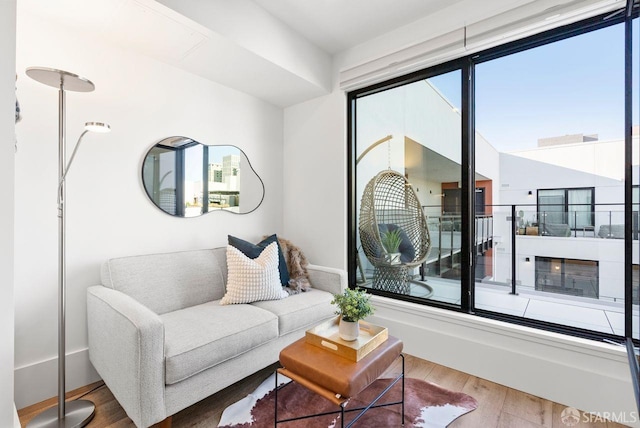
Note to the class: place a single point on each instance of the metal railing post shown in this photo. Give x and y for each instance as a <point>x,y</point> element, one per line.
<point>453,226</point>
<point>440,245</point>
<point>514,224</point>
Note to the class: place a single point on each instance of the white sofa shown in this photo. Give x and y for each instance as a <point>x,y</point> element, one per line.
<point>161,341</point>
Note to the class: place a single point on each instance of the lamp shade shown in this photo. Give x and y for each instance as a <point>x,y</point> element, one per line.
<point>97,127</point>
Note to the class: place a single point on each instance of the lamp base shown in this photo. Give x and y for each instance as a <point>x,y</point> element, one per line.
<point>78,413</point>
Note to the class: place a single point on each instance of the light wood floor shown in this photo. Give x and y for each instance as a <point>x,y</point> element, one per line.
<point>498,407</point>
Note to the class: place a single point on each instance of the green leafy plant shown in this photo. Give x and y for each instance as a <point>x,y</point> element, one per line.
<point>353,305</point>
<point>391,240</point>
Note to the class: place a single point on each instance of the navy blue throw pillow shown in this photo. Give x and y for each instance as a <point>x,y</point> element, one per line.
<point>254,250</point>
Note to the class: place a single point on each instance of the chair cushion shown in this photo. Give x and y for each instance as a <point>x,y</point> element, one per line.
<point>615,231</point>
<point>406,250</point>
<point>300,311</point>
<point>203,336</point>
<point>559,229</point>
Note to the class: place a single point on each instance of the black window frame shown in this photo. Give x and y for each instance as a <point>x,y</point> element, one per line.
<point>467,64</point>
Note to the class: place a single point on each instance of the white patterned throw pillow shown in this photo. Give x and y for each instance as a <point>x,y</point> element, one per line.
<point>250,280</point>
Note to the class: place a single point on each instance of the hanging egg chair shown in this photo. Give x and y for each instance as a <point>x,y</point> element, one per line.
<point>393,230</point>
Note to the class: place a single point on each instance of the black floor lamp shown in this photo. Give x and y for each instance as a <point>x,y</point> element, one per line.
<point>75,413</point>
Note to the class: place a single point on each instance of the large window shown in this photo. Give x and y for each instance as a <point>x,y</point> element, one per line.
<point>558,127</point>
<point>567,276</point>
<point>573,207</point>
<point>519,157</point>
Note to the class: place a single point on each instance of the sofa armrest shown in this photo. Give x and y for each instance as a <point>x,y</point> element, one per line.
<point>126,346</point>
<point>328,279</point>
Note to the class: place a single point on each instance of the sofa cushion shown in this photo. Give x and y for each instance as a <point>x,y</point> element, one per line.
<point>254,250</point>
<point>203,336</point>
<point>167,282</point>
<point>251,280</point>
<point>300,311</point>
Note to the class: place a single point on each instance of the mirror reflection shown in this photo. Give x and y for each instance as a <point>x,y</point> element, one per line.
<point>185,178</point>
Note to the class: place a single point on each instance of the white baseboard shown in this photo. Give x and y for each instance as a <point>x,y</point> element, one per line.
<point>37,382</point>
<point>588,375</point>
<point>16,420</point>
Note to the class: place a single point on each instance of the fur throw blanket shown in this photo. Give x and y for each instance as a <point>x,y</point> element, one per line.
<point>296,265</point>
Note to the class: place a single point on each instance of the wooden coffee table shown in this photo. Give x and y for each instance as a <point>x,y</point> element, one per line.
<point>337,378</point>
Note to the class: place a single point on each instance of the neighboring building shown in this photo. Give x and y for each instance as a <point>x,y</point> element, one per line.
<point>231,173</point>
<point>566,139</point>
<point>215,173</point>
<point>572,189</point>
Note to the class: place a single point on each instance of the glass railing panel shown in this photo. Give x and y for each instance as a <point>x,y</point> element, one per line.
<point>563,275</point>
<point>492,249</point>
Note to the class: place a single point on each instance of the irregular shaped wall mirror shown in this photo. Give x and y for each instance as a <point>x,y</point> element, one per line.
<point>178,171</point>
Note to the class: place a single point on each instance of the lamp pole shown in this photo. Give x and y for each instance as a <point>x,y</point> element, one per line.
<point>76,413</point>
<point>62,247</point>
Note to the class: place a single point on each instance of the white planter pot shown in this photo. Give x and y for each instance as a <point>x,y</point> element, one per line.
<point>348,330</point>
<point>393,258</point>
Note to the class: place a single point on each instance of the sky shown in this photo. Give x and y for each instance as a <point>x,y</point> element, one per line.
<point>193,159</point>
<point>575,86</point>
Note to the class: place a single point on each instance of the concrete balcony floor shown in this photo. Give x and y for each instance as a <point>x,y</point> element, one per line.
<point>592,314</point>
<point>597,315</point>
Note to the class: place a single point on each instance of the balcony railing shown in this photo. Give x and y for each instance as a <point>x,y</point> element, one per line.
<point>445,230</point>
<point>581,220</point>
<point>535,248</point>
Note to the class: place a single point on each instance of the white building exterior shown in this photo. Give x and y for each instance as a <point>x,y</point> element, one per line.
<point>591,164</point>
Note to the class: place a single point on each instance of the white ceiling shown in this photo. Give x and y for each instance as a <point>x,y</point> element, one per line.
<point>337,25</point>
<point>280,51</point>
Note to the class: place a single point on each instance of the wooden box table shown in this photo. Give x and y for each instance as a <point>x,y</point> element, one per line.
<point>337,378</point>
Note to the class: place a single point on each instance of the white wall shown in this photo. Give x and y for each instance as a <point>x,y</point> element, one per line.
<point>429,194</point>
<point>315,179</point>
<point>603,159</point>
<point>608,252</point>
<point>488,164</point>
<point>108,213</point>
<point>7,137</point>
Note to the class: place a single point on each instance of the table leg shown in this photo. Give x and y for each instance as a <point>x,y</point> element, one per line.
<point>342,410</point>
<point>402,355</point>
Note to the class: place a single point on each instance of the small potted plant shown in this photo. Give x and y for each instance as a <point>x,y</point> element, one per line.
<point>353,305</point>
<point>391,240</point>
